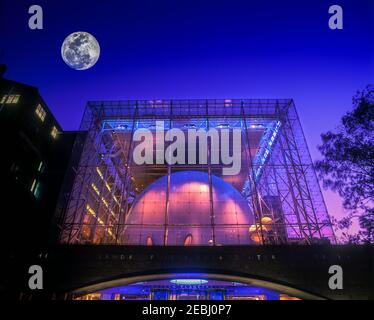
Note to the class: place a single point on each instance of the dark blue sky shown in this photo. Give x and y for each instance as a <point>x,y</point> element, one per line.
<point>197,49</point>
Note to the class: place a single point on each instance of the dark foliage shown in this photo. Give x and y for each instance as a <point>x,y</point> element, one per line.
<point>348,164</point>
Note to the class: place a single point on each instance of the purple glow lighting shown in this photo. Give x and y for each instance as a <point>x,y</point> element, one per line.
<point>189,212</point>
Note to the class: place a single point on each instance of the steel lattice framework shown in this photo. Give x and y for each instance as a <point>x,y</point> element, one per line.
<point>278,181</point>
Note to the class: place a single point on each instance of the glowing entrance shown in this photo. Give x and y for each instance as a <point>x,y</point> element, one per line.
<point>191,286</point>
<point>187,289</point>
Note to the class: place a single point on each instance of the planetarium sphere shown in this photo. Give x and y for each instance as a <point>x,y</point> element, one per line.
<point>188,219</point>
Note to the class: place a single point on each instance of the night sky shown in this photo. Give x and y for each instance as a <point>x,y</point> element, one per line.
<point>197,49</point>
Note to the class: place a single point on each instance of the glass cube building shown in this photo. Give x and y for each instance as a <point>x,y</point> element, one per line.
<point>274,198</point>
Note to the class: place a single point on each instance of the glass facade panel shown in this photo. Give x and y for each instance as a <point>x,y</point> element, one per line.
<point>273,197</point>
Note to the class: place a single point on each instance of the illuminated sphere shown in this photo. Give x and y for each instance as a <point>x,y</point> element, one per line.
<point>80,50</point>
<point>257,227</point>
<point>266,220</point>
<point>256,237</point>
<point>189,219</point>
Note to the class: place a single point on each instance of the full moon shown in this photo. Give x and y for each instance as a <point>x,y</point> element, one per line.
<point>80,50</point>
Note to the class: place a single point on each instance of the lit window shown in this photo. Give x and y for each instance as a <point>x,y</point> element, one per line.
<point>188,240</point>
<point>15,98</point>
<point>40,168</point>
<point>108,186</point>
<point>99,173</point>
<point>149,241</point>
<point>40,112</point>
<point>95,188</point>
<point>54,132</point>
<point>33,186</point>
<point>90,210</point>
<point>110,233</point>
<point>37,190</point>
<point>10,99</point>
<point>104,201</point>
